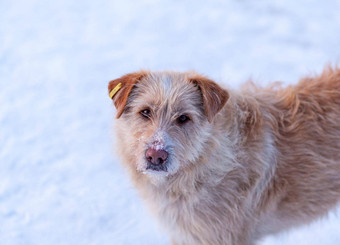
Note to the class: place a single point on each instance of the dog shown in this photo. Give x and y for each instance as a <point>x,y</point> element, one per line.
<point>222,166</point>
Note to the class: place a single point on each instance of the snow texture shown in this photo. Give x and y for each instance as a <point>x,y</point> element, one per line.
<point>60,181</point>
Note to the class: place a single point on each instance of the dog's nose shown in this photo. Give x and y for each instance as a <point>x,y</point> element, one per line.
<point>156,157</point>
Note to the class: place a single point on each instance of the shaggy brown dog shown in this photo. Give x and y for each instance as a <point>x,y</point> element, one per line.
<point>219,166</point>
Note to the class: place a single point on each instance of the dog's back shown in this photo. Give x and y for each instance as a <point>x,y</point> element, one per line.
<point>306,129</point>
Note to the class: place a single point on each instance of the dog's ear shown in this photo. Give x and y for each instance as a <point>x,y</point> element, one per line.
<point>214,97</point>
<point>119,89</point>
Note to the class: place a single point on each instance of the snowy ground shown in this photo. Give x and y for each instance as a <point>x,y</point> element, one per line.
<point>60,182</point>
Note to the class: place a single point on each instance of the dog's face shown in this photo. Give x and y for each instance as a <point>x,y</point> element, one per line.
<point>164,119</point>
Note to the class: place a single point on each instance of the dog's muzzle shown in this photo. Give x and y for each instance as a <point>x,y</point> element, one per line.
<point>156,159</point>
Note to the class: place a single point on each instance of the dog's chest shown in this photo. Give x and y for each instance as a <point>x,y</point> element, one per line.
<point>178,218</point>
<point>182,217</point>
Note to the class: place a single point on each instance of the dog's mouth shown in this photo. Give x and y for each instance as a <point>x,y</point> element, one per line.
<point>157,167</point>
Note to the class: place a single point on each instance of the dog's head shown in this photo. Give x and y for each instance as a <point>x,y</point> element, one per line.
<point>164,118</point>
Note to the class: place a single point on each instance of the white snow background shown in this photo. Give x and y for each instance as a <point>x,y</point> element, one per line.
<point>60,181</point>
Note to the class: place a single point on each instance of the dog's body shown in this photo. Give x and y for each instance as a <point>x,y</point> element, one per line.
<point>230,166</point>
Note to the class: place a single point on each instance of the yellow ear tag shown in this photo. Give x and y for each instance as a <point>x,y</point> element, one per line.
<point>115,90</point>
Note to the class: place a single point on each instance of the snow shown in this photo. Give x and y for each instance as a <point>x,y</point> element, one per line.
<point>60,181</point>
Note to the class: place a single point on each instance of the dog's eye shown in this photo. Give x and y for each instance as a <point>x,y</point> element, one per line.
<point>146,113</point>
<point>183,119</point>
